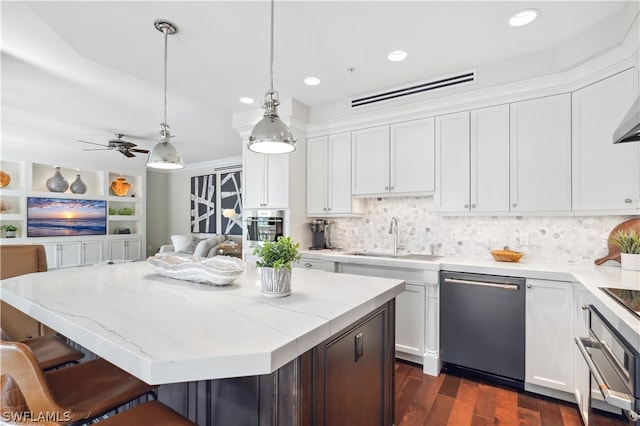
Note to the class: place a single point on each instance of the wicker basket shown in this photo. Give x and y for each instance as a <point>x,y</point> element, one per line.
<point>506,255</point>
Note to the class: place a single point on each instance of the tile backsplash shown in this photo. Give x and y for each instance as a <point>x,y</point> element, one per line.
<point>565,239</point>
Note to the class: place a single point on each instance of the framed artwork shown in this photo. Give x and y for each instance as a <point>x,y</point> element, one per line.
<point>61,217</point>
<point>231,203</point>
<point>203,204</point>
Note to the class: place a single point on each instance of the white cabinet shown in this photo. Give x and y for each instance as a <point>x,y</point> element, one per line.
<point>91,252</point>
<point>472,166</point>
<point>394,160</point>
<point>550,316</point>
<point>128,249</point>
<point>63,255</point>
<point>582,374</point>
<point>266,180</point>
<point>410,320</point>
<point>329,176</point>
<point>606,177</point>
<point>540,151</point>
<point>310,263</point>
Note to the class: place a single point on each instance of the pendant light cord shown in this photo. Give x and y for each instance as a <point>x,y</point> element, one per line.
<point>165,31</point>
<point>272,7</point>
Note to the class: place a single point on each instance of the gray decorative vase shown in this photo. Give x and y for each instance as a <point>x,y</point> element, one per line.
<point>57,182</point>
<point>78,186</point>
<point>275,282</point>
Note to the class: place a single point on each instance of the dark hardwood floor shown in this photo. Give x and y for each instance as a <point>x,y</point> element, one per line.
<point>453,401</point>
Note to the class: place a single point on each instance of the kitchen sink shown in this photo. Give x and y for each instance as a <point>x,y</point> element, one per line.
<point>405,256</point>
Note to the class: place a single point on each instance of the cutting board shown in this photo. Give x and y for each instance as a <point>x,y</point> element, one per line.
<point>614,252</point>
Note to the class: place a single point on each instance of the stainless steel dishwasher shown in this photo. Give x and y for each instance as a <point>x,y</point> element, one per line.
<point>482,326</point>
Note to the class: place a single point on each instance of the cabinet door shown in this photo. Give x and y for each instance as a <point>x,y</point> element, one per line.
<point>410,320</point>
<point>490,159</point>
<point>91,252</point>
<point>606,177</point>
<point>412,157</point>
<point>117,250</point>
<point>133,249</point>
<point>340,200</point>
<point>582,374</point>
<point>317,175</point>
<point>51,251</point>
<point>255,167</point>
<point>370,150</point>
<point>63,255</point>
<point>541,154</point>
<point>452,163</point>
<point>549,360</point>
<point>277,185</point>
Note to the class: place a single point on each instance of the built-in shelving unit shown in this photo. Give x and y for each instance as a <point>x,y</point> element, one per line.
<point>125,215</point>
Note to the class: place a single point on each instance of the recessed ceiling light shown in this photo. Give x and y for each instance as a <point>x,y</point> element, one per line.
<point>397,56</point>
<point>524,17</point>
<point>311,81</point>
<point>246,100</point>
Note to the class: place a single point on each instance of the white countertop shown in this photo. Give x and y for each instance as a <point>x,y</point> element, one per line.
<point>592,277</point>
<point>165,331</point>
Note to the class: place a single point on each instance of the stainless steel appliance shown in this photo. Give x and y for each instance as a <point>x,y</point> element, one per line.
<point>630,299</point>
<point>482,326</point>
<point>629,128</point>
<point>264,225</point>
<point>615,368</point>
<point>320,234</point>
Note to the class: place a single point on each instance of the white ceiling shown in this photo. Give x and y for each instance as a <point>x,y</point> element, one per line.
<point>85,70</point>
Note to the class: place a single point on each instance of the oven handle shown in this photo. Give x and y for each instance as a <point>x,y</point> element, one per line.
<point>614,398</point>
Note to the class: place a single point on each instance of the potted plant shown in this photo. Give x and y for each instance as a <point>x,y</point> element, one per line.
<point>9,230</point>
<point>629,244</point>
<point>275,263</point>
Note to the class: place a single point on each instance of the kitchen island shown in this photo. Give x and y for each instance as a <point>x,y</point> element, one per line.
<point>262,360</point>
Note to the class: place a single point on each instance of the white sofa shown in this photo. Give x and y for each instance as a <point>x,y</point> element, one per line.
<point>196,244</point>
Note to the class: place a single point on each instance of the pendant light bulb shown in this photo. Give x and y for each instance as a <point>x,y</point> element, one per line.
<point>271,135</point>
<point>165,155</point>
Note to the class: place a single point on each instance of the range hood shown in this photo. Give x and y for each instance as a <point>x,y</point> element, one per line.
<point>629,128</point>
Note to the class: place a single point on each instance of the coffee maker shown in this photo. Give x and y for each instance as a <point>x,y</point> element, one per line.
<point>320,236</point>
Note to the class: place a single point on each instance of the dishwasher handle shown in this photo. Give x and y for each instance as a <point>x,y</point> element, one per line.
<point>611,397</point>
<point>482,284</point>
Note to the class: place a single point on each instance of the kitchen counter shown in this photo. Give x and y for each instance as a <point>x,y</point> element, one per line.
<point>164,331</point>
<point>590,276</point>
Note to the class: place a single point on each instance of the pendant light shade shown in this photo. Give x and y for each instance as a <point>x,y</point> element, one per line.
<point>271,135</point>
<point>165,155</point>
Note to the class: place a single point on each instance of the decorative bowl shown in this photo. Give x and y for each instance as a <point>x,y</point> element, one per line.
<point>506,255</point>
<point>5,178</point>
<point>218,270</point>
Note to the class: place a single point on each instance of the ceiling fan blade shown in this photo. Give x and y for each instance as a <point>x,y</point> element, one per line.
<point>143,151</point>
<point>93,143</point>
<point>128,154</point>
<point>128,145</point>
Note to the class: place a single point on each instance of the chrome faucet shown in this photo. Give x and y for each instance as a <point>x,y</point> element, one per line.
<point>393,230</point>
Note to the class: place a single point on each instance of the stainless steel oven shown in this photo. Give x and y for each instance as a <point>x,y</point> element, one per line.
<point>264,225</point>
<point>614,366</point>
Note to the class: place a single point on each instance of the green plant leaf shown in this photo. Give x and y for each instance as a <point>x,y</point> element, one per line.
<point>278,254</point>
<point>626,241</point>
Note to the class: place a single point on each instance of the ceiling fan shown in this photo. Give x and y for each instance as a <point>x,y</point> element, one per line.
<point>124,147</point>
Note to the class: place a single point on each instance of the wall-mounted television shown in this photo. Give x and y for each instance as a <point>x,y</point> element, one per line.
<point>61,217</point>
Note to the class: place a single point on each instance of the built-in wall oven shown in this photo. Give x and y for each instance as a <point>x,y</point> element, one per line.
<point>264,225</point>
<point>614,365</point>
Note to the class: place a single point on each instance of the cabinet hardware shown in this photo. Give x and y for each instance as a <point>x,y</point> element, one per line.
<point>529,286</point>
<point>308,265</point>
<point>391,188</point>
<point>359,349</point>
<point>473,206</point>
<point>584,307</point>
<point>386,188</point>
<point>514,205</point>
<point>466,206</point>
<point>627,200</point>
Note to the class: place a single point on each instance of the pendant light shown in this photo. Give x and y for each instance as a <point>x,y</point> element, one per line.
<point>271,135</point>
<point>165,155</point>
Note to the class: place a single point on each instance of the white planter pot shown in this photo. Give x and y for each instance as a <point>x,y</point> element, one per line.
<point>630,262</point>
<point>275,282</point>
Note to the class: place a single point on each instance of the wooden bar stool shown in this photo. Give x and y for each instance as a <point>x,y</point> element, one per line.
<point>73,394</point>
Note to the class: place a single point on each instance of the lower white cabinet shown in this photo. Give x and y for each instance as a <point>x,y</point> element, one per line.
<point>72,254</point>
<point>582,374</point>
<point>130,249</point>
<point>410,320</point>
<point>550,331</point>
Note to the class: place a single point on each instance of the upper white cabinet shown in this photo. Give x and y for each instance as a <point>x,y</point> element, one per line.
<point>540,151</point>
<point>606,177</point>
<point>472,166</point>
<point>452,163</point>
<point>549,329</point>
<point>266,180</point>
<point>329,176</point>
<point>394,160</point>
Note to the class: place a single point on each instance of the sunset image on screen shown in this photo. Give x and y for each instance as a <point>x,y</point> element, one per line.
<point>47,217</point>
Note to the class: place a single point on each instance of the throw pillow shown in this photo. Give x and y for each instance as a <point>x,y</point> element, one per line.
<point>180,241</point>
<point>202,250</point>
<point>191,246</point>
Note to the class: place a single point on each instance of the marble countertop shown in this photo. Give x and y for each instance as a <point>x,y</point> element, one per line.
<point>591,277</point>
<point>165,331</point>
